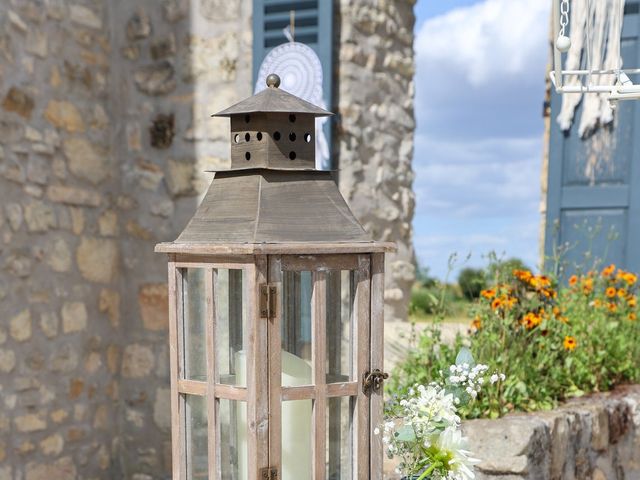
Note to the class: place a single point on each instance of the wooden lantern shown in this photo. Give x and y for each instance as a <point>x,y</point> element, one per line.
<point>276,314</point>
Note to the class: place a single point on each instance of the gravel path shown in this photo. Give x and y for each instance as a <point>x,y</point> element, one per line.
<point>398,334</point>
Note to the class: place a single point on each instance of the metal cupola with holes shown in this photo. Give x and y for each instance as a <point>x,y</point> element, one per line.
<point>276,298</point>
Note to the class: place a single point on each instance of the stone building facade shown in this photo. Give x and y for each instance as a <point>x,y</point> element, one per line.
<point>104,137</point>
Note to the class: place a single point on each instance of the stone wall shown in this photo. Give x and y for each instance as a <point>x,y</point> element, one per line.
<point>59,260</point>
<point>594,438</point>
<point>104,136</point>
<point>374,136</point>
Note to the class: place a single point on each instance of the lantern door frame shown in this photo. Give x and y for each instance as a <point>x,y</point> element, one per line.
<point>263,392</point>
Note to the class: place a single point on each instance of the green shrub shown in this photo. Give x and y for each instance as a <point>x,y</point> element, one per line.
<point>552,343</point>
<point>471,281</point>
<point>423,301</point>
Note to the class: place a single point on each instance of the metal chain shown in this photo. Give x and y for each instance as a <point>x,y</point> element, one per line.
<point>564,17</point>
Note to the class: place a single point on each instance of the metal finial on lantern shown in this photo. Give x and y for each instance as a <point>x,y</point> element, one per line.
<point>273,81</point>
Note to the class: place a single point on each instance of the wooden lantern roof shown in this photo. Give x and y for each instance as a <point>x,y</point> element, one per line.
<point>268,205</point>
<point>273,100</point>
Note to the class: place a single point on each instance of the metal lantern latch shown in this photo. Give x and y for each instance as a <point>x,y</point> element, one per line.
<point>374,380</point>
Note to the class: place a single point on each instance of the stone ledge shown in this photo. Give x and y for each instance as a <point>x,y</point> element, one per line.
<point>595,437</point>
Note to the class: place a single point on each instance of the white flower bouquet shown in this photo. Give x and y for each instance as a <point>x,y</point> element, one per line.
<point>423,429</point>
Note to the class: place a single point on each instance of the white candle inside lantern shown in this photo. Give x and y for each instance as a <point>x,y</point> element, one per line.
<point>296,420</point>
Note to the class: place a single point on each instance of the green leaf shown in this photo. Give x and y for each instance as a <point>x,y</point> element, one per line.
<point>406,434</point>
<point>465,356</point>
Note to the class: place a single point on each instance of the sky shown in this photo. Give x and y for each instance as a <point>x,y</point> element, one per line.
<point>479,93</point>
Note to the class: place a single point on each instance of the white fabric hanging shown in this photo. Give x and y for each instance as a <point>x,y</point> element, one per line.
<point>605,32</point>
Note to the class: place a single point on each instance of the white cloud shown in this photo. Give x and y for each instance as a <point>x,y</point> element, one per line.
<point>480,87</point>
<point>486,41</point>
<point>487,178</point>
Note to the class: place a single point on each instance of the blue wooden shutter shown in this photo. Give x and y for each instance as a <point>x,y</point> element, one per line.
<point>610,197</point>
<point>313,27</point>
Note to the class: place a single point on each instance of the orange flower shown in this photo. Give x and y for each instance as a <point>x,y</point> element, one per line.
<point>622,293</point>
<point>573,280</point>
<point>633,316</point>
<point>564,319</point>
<point>488,294</point>
<point>587,286</point>
<point>477,323</point>
<point>569,343</point>
<point>630,278</point>
<point>597,303</point>
<point>523,275</point>
<point>556,311</point>
<point>632,301</point>
<point>531,320</point>
<point>610,292</point>
<point>608,271</point>
<point>497,303</point>
<point>612,307</point>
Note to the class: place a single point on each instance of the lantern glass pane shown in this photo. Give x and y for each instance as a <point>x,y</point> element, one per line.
<point>232,445</point>
<point>297,440</point>
<point>339,325</point>
<point>231,327</point>
<point>196,437</point>
<point>340,438</point>
<point>296,328</point>
<point>194,324</point>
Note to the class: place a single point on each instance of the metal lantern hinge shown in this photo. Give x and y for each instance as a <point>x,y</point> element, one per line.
<point>269,473</point>
<point>268,300</point>
<point>373,380</point>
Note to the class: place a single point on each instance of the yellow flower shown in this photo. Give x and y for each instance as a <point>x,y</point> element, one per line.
<point>497,303</point>
<point>608,271</point>
<point>612,307</point>
<point>622,293</point>
<point>540,281</point>
<point>597,303</point>
<point>510,302</point>
<point>630,278</point>
<point>573,280</point>
<point>587,286</point>
<point>477,323</point>
<point>569,343</point>
<point>564,319</point>
<point>488,294</point>
<point>610,292</point>
<point>633,316</point>
<point>632,301</point>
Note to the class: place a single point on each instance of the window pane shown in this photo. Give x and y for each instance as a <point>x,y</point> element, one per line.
<point>340,308</point>
<point>231,327</point>
<point>340,438</point>
<point>296,440</point>
<point>194,325</point>
<point>233,439</point>
<point>296,328</point>
<point>196,437</point>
